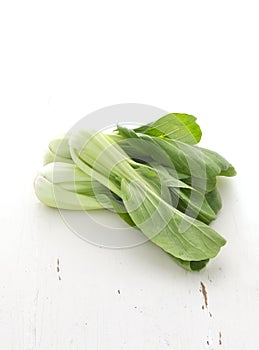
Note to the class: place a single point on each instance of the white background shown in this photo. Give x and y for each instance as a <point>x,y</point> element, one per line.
<point>61,60</point>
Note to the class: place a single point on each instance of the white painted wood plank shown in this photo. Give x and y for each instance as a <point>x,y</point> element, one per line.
<point>60,61</point>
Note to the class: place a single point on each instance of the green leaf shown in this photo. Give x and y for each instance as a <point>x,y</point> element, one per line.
<point>226,169</point>
<point>202,184</point>
<point>120,209</point>
<point>176,233</point>
<point>214,200</point>
<point>183,197</point>
<point>186,160</point>
<point>126,132</point>
<point>191,265</point>
<point>176,126</point>
<point>198,165</point>
<point>143,128</point>
<point>193,203</point>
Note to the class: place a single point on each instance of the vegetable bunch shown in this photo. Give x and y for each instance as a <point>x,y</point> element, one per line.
<point>154,176</point>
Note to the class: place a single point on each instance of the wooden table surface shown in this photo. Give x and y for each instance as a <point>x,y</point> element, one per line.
<point>61,61</point>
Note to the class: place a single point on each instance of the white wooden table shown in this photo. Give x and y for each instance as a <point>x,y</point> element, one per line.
<point>59,292</point>
<point>61,61</point>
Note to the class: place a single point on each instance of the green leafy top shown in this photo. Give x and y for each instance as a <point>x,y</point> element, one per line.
<point>175,126</point>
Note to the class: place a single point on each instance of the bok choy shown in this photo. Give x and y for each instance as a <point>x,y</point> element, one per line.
<point>154,177</point>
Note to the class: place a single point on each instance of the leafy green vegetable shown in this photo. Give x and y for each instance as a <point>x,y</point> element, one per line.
<point>154,177</point>
<point>181,236</point>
